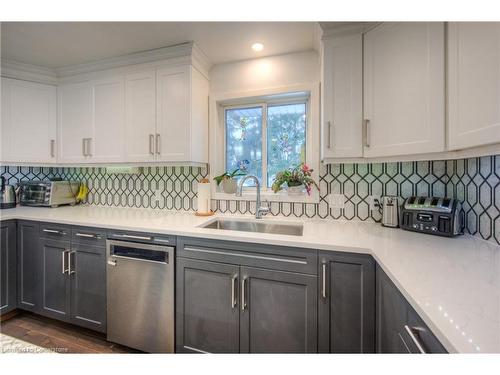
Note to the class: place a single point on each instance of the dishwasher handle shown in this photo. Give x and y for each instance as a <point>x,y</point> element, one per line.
<point>139,252</point>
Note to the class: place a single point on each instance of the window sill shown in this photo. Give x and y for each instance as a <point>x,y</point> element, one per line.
<point>281,196</point>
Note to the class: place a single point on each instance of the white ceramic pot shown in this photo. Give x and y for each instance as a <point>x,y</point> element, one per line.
<point>296,190</point>
<point>229,186</point>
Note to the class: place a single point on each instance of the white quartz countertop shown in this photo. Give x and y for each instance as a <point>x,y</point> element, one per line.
<point>452,283</point>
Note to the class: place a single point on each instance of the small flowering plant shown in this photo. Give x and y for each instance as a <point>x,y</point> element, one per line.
<point>300,175</point>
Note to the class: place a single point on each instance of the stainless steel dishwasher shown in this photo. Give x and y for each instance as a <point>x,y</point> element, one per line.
<point>140,295</point>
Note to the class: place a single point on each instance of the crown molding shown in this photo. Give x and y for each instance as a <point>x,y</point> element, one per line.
<point>348,28</point>
<point>184,53</point>
<point>27,72</point>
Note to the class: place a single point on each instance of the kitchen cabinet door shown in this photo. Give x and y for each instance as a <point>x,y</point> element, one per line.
<point>278,312</point>
<point>207,307</point>
<point>473,84</point>
<point>346,303</point>
<point>29,264</point>
<point>404,89</point>
<point>55,283</point>
<point>107,142</point>
<point>76,122</point>
<point>140,118</point>
<point>342,98</point>
<point>87,274</point>
<point>8,266</point>
<point>173,138</point>
<point>399,328</point>
<point>29,128</point>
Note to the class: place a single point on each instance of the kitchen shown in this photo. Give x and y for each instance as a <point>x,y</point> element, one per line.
<point>310,187</point>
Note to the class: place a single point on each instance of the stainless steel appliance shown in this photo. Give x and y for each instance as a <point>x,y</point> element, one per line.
<point>48,193</point>
<point>140,295</point>
<point>390,211</point>
<point>7,195</point>
<point>440,216</point>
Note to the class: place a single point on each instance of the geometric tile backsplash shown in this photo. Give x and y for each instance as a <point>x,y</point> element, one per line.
<point>474,181</point>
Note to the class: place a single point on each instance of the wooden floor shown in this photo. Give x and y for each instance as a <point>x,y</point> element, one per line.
<point>61,337</point>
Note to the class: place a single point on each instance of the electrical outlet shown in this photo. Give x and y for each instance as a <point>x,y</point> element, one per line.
<point>336,200</point>
<point>374,201</point>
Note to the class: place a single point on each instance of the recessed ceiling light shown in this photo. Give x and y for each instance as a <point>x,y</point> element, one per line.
<point>257,47</point>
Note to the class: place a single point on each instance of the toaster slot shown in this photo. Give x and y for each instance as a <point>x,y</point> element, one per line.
<point>406,218</point>
<point>444,224</point>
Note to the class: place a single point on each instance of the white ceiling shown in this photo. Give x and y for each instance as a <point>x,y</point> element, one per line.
<point>59,44</point>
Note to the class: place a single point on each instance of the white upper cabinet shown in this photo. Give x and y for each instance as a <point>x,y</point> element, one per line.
<point>107,143</point>
<point>140,119</point>
<point>404,89</point>
<point>182,115</point>
<point>473,84</point>
<point>29,127</point>
<point>76,117</point>
<point>342,70</point>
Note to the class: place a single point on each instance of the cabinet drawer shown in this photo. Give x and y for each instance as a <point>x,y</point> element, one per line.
<point>160,239</point>
<point>90,236</point>
<point>249,254</point>
<point>55,231</point>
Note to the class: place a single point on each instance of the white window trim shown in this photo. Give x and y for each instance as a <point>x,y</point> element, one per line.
<point>220,101</point>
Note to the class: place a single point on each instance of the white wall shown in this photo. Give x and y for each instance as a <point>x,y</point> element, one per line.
<point>267,72</point>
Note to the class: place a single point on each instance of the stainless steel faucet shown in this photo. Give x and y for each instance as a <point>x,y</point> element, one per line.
<point>259,210</point>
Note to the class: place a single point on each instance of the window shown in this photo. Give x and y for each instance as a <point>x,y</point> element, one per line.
<point>266,138</point>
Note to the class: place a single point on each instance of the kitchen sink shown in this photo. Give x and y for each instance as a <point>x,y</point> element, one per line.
<point>256,226</point>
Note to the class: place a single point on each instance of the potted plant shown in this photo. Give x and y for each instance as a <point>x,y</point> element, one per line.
<point>297,180</point>
<point>228,181</point>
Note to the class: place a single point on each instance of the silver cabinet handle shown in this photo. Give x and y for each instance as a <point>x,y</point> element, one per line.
<point>158,144</point>
<point>70,271</point>
<point>329,134</point>
<point>134,237</point>
<point>53,231</point>
<point>366,124</point>
<point>243,302</point>
<point>417,343</point>
<point>96,236</point>
<point>89,146</point>
<point>84,148</point>
<point>323,286</point>
<point>233,291</point>
<point>63,254</point>
<point>52,148</point>
<point>151,144</point>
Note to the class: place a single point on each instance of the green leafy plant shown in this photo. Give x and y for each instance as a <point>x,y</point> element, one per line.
<point>299,175</point>
<point>228,175</point>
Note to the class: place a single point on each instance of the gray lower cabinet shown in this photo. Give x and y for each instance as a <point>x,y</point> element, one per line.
<point>278,312</point>
<point>87,281</point>
<point>29,261</point>
<point>346,312</point>
<point>245,298</point>
<point>399,328</point>
<point>207,313</point>
<point>8,266</point>
<point>55,285</point>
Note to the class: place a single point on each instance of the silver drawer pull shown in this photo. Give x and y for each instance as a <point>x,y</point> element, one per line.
<point>158,144</point>
<point>243,302</point>
<point>132,237</point>
<point>70,271</point>
<point>233,291</point>
<point>53,231</point>
<point>415,340</point>
<point>366,125</point>
<point>151,144</point>
<point>64,269</point>
<point>52,148</point>
<point>323,287</point>
<point>329,134</point>
<point>86,235</point>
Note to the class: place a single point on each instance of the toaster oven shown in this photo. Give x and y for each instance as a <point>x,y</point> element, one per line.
<point>48,193</point>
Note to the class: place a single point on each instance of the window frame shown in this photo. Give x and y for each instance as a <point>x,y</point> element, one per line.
<point>264,105</point>
<point>219,101</point>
